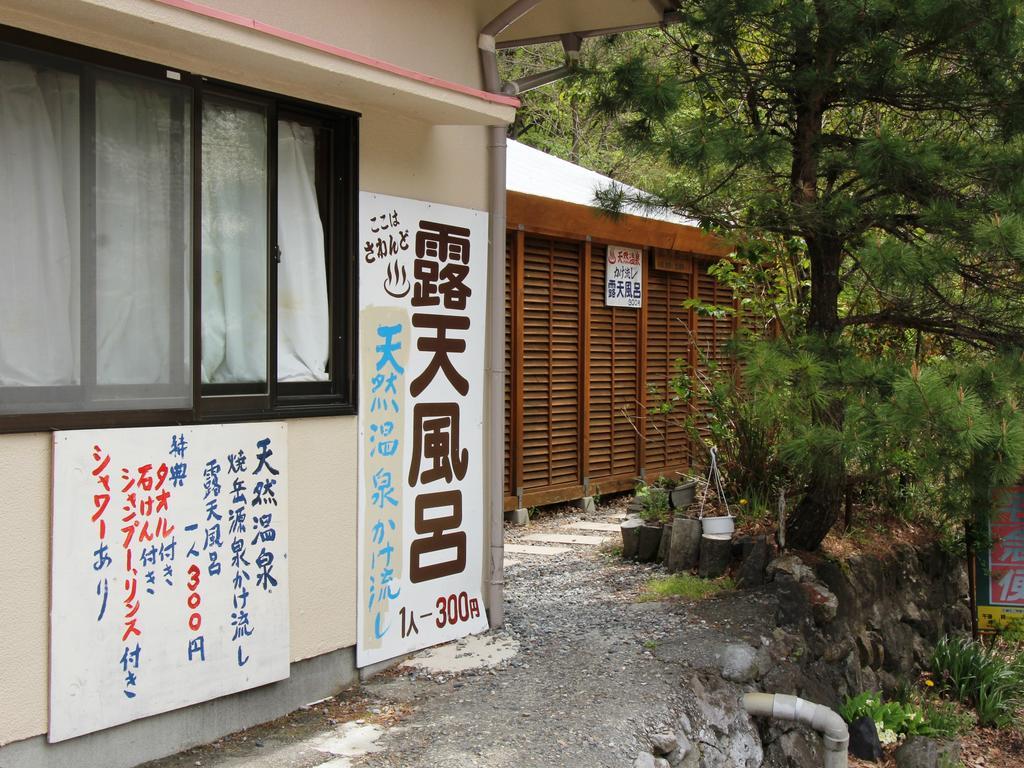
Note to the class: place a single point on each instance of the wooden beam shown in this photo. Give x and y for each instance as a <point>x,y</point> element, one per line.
<point>584,401</point>
<point>569,220</point>
<point>641,366</point>
<point>518,343</point>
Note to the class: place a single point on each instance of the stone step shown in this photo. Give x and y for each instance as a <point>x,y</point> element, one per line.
<point>603,527</point>
<point>560,538</point>
<point>527,549</point>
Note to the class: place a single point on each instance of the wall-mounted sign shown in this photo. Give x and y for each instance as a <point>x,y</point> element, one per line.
<point>1000,571</point>
<point>624,277</point>
<point>170,569</point>
<point>421,500</point>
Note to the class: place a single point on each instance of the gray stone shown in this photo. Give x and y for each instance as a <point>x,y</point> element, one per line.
<point>737,662</point>
<point>921,752</point>
<point>644,760</point>
<point>664,743</point>
<point>661,762</point>
<point>715,556</point>
<point>666,543</point>
<point>630,537</point>
<point>824,604</point>
<point>587,505</point>
<point>518,517</point>
<point>684,549</point>
<point>751,572</point>
<point>791,565</point>
<point>650,540</point>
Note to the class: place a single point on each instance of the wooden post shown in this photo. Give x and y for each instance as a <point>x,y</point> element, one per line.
<point>585,276</point>
<point>518,342</point>
<point>641,366</point>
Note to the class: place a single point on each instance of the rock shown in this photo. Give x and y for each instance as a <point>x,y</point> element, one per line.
<point>921,752</point>
<point>664,743</point>
<point>630,537</point>
<point>790,565</point>
<point>682,750</point>
<point>715,556</point>
<point>824,604</point>
<point>864,741</point>
<point>644,760</point>
<point>737,663</point>
<point>666,543</point>
<point>751,572</point>
<point>661,762</point>
<point>684,549</point>
<point>650,540</point>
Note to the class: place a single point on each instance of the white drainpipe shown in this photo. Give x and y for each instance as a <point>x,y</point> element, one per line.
<point>835,735</point>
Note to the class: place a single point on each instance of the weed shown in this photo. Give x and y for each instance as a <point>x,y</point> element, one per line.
<point>650,645</point>
<point>980,677</point>
<point>685,586</point>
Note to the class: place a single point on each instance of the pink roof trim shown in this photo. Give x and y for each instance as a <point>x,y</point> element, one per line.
<point>341,53</point>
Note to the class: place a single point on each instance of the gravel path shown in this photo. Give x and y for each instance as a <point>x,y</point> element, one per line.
<point>595,673</point>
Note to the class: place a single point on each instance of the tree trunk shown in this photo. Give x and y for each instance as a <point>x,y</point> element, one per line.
<point>822,501</point>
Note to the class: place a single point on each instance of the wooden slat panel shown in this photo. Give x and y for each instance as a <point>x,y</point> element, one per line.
<point>614,361</point>
<point>550,360</point>
<point>668,343</point>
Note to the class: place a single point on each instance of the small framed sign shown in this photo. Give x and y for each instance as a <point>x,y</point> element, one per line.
<point>624,277</point>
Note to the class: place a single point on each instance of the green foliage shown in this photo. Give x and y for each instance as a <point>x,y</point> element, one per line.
<point>982,677</point>
<point>866,161</point>
<point>684,586</point>
<point>896,719</point>
<point>654,502</point>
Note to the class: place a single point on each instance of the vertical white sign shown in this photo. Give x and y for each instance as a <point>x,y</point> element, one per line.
<point>624,277</point>
<point>422,315</point>
<point>170,569</point>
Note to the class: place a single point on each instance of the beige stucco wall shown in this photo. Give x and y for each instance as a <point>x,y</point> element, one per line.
<point>321,558</point>
<point>399,156</point>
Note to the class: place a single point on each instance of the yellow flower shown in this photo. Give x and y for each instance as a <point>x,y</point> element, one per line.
<point>743,502</point>
<point>929,683</point>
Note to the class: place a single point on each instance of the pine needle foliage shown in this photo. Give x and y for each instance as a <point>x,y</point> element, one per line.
<point>867,159</point>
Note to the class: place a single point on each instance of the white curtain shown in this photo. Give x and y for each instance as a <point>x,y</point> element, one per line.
<point>39,233</point>
<point>303,321</point>
<point>134,258</point>
<point>234,223</point>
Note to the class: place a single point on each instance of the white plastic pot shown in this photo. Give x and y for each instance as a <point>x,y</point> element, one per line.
<point>713,526</point>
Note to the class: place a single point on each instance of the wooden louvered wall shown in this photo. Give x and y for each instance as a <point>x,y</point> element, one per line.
<point>550,363</point>
<point>582,378</point>
<point>668,351</point>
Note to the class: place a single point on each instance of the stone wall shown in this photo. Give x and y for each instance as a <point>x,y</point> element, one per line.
<point>866,623</point>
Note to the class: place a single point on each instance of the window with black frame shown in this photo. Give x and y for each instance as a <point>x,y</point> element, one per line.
<point>162,238</point>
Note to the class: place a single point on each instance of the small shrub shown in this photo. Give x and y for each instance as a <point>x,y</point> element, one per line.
<point>684,586</point>
<point>980,677</point>
<point>892,719</point>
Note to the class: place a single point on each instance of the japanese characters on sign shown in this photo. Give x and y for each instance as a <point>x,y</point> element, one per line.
<point>421,501</point>
<point>1001,583</point>
<point>624,277</point>
<point>169,570</point>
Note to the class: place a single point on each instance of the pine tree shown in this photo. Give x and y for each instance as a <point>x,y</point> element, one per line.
<point>880,140</point>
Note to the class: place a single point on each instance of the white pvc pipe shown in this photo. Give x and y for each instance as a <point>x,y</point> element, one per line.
<point>835,734</point>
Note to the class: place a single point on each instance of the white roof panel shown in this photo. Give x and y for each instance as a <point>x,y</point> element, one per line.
<point>534,172</point>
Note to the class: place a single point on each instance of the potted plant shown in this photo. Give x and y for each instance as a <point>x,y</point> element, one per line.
<point>683,494</point>
<point>654,513</point>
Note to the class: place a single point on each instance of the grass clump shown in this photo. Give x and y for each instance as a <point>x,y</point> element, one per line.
<point>684,586</point>
<point>989,679</point>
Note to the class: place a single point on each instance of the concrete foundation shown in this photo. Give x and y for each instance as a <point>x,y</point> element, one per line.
<point>519,516</point>
<point>586,504</point>
<point>127,745</point>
